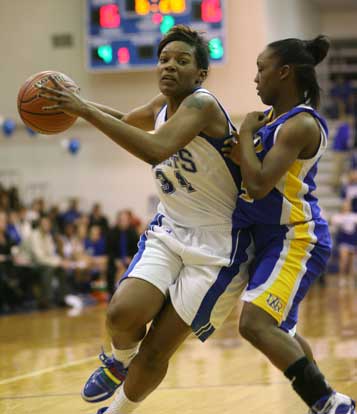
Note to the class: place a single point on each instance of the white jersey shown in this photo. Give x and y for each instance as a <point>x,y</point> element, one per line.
<point>198,186</point>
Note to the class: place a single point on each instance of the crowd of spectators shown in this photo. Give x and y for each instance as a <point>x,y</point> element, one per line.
<point>344,177</point>
<point>51,258</point>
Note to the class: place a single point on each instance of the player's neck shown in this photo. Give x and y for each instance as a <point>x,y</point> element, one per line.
<point>173,104</point>
<point>285,104</point>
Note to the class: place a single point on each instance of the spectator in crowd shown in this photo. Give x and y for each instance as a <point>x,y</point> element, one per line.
<point>344,225</point>
<point>97,218</point>
<point>342,96</point>
<point>13,229</point>
<point>10,293</point>
<point>14,198</point>
<point>95,248</point>
<point>4,200</point>
<point>122,246</point>
<point>55,218</point>
<point>341,146</point>
<point>349,191</point>
<point>35,211</point>
<point>24,226</point>
<point>70,248</point>
<point>41,260</point>
<point>48,265</point>
<point>72,214</point>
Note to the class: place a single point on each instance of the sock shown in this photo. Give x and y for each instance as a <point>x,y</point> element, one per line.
<point>125,356</point>
<point>121,404</point>
<point>308,381</point>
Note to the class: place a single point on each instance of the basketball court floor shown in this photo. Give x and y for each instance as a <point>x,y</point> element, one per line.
<point>45,358</point>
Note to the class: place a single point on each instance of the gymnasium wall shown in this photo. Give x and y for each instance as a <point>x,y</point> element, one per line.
<point>102,171</point>
<point>339,24</point>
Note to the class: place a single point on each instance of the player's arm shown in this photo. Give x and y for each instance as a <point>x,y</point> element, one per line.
<point>142,117</point>
<point>299,137</point>
<point>194,114</point>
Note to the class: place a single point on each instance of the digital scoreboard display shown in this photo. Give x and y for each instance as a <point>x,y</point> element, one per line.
<point>124,34</point>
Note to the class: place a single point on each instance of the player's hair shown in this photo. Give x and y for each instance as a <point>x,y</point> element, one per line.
<point>303,55</point>
<point>192,37</point>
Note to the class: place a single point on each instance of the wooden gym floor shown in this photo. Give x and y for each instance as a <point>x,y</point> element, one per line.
<point>46,357</point>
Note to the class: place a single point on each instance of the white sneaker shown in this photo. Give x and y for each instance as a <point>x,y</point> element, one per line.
<point>336,404</point>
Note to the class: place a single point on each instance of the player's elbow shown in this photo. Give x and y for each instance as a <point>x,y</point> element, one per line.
<point>152,156</point>
<point>155,159</point>
<point>257,190</point>
<point>158,155</point>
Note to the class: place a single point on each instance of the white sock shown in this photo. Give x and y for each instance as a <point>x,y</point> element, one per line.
<point>125,356</point>
<point>121,404</point>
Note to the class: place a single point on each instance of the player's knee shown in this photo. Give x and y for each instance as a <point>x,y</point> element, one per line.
<point>123,317</point>
<point>251,330</point>
<point>246,330</point>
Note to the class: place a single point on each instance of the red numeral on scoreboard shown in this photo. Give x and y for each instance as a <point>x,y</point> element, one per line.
<point>211,11</point>
<point>109,16</point>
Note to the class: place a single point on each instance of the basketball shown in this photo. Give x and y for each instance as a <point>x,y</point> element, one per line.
<point>30,104</point>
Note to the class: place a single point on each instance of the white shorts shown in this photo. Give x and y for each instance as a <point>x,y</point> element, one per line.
<point>204,270</point>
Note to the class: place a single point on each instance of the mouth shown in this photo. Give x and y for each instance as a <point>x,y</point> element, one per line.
<point>168,78</point>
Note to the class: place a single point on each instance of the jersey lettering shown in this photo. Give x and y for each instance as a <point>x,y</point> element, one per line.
<point>187,164</point>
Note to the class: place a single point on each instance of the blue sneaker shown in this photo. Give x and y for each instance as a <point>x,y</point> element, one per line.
<point>104,380</point>
<point>336,403</point>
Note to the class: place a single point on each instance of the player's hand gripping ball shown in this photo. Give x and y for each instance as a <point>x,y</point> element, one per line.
<point>30,103</point>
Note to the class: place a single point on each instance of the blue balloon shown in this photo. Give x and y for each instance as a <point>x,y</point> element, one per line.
<point>8,127</point>
<point>74,146</point>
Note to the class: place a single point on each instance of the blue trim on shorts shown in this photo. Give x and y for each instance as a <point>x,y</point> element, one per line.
<point>201,325</point>
<point>157,221</point>
<point>269,243</point>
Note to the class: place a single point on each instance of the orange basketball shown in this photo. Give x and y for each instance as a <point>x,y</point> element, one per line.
<point>29,104</point>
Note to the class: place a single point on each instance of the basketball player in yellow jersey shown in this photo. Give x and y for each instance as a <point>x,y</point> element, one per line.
<point>278,154</point>
<point>187,272</point>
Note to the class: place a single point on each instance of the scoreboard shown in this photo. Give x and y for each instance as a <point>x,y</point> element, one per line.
<point>123,35</point>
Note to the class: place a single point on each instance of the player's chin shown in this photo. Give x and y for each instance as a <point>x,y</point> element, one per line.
<point>168,90</point>
<point>265,99</point>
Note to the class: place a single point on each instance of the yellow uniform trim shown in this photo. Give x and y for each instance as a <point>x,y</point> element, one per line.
<point>111,376</point>
<point>277,296</point>
<point>292,188</point>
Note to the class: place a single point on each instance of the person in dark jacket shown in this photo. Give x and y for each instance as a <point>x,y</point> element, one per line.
<point>121,247</point>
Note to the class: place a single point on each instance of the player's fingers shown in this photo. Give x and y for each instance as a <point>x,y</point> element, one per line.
<point>55,81</point>
<point>50,108</point>
<point>49,90</point>
<point>226,154</point>
<point>50,97</point>
<point>228,141</point>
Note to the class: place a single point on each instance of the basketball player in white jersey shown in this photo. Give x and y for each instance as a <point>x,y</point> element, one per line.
<point>191,264</point>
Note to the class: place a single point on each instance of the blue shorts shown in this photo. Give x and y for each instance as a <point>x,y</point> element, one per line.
<point>288,260</point>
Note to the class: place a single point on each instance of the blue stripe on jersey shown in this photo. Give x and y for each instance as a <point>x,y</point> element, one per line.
<point>164,106</point>
<point>201,323</point>
<point>234,169</point>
